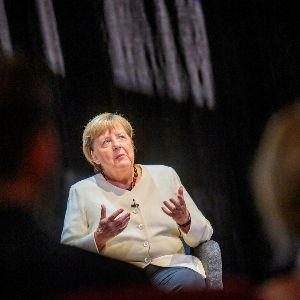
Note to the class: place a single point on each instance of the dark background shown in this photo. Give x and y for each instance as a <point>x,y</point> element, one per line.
<point>255,54</point>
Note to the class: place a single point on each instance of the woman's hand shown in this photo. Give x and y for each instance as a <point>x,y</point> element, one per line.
<point>110,226</point>
<point>176,209</point>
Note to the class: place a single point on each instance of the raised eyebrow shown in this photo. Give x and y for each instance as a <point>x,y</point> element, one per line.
<point>121,133</point>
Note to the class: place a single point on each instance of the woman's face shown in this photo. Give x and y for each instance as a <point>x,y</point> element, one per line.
<point>113,149</point>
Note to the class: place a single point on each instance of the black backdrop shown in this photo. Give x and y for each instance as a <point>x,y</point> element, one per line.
<point>254,49</point>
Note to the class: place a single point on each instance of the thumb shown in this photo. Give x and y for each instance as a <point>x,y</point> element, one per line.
<point>180,190</point>
<point>103,211</point>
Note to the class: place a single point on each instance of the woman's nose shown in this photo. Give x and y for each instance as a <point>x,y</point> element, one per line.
<point>116,144</point>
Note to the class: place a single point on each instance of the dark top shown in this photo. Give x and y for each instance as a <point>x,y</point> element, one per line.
<point>34,266</point>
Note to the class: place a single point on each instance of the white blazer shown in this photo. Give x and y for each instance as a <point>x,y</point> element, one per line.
<point>151,236</point>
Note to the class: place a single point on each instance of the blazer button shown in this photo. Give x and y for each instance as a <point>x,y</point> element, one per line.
<point>141,226</point>
<point>148,260</point>
<point>146,244</point>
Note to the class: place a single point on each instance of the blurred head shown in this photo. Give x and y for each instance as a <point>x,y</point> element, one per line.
<point>104,133</point>
<point>276,177</point>
<point>28,141</point>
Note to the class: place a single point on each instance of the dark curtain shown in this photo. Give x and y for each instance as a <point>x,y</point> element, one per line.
<point>255,54</point>
<point>254,49</point>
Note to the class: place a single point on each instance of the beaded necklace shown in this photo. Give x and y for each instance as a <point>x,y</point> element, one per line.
<point>132,184</point>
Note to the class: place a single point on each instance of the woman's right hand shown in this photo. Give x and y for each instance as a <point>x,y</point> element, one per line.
<point>110,226</point>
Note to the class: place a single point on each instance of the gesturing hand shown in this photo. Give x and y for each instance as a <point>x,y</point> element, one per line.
<point>176,208</point>
<point>110,226</point>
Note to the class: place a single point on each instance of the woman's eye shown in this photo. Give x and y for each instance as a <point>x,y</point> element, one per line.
<point>122,137</point>
<point>106,141</point>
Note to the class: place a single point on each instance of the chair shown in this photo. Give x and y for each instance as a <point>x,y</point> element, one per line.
<point>209,253</point>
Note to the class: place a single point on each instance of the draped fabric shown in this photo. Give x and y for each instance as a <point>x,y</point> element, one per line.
<point>37,21</point>
<point>50,36</point>
<point>5,40</point>
<point>160,48</point>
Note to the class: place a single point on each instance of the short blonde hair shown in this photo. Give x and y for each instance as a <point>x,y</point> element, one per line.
<point>276,176</point>
<point>97,126</point>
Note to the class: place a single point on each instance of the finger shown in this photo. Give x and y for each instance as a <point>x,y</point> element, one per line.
<point>125,223</point>
<point>180,191</point>
<point>170,206</point>
<point>121,227</point>
<point>180,196</point>
<point>115,214</point>
<point>103,211</point>
<point>166,211</point>
<point>123,218</point>
<point>176,203</point>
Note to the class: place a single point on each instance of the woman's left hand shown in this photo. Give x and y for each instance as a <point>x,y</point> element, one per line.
<point>176,208</point>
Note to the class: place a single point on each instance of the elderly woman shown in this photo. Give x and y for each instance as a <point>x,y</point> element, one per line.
<point>133,212</point>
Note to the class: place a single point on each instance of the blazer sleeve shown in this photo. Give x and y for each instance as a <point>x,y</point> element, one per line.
<point>200,229</point>
<point>76,230</point>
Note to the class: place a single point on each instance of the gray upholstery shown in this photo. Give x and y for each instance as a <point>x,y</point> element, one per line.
<point>209,253</point>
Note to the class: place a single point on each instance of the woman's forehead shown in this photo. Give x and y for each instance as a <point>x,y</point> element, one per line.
<point>111,128</point>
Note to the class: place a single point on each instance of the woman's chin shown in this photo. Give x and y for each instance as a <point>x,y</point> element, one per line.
<point>124,163</point>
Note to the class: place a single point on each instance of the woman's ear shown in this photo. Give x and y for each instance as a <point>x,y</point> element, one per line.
<point>94,157</point>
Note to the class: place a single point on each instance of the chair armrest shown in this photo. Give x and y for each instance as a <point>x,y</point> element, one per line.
<point>209,253</point>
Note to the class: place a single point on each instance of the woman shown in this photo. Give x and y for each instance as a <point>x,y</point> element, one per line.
<point>134,212</point>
